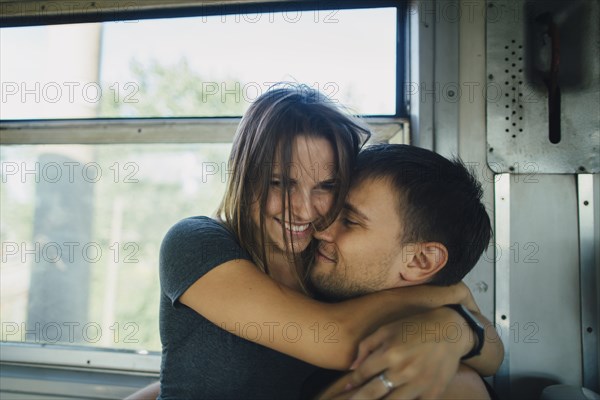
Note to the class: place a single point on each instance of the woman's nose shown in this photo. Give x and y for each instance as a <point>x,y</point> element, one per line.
<point>303,208</point>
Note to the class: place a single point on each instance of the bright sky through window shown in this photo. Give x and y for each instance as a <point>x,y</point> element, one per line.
<point>197,66</point>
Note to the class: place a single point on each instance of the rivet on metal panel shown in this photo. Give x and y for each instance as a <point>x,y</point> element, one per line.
<point>481,286</point>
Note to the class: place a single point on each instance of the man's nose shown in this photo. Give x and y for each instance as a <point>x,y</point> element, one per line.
<point>329,233</point>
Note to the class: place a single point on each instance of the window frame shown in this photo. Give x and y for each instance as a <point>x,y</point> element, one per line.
<point>152,130</point>
<point>393,129</point>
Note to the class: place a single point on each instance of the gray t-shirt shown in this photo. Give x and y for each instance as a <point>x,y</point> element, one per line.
<point>199,359</point>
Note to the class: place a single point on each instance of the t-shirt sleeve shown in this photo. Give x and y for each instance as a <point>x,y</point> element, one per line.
<point>190,249</point>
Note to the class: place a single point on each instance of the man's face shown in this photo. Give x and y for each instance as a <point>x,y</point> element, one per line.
<point>361,251</point>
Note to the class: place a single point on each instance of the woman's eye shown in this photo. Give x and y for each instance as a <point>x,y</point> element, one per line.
<point>275,183</point>
<point>330,186</point>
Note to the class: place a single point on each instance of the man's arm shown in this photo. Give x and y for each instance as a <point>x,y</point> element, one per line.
<point>419,355</point>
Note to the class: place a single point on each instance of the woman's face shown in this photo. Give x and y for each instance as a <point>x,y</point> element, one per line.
<point>312,175</point>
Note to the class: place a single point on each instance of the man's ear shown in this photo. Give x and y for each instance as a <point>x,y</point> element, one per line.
<point>424,261</point>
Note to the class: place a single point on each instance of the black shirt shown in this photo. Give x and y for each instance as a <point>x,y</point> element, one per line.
<point>199,359</point>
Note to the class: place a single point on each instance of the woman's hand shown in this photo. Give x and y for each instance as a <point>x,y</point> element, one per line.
<point>468,300</point>
<point>411,358</point>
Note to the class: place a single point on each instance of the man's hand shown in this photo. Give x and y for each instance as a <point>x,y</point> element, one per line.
<point>418,357</point>
<point>467,385</point>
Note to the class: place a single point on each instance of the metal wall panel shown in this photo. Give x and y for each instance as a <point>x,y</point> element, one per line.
<point>502,279</point>
<point>597,253</point>
<point>472,146</point>
<point>422,49</point>
<point>544,338</point>
<point>446,85</point>
<point>524,38</point>
<point>589,256</point>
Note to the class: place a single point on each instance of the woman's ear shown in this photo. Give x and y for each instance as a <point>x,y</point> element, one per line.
<point>424,261</point>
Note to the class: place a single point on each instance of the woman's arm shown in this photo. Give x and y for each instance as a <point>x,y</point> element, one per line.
<point>492,352</point>
<point>236,294</point>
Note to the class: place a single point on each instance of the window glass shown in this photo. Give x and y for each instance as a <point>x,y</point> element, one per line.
<point>81,229</point>
<point>197,66</point>
<point>81,225</point>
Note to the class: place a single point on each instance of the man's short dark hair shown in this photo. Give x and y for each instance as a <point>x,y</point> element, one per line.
<point>439,200</point>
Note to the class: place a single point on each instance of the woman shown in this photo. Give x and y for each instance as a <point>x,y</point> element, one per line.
<point>236,318</point>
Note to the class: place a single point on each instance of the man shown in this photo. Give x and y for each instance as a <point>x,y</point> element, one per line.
<point>411,217</point>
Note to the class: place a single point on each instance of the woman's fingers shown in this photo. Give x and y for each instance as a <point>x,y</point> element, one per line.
<point>383,371</point>
<point>416,359</point>
<point>393,360</point>
<point>379,387</point>
<point>369,344</point>
<point>374,389</point>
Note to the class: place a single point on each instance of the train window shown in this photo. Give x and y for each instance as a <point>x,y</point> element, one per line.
<point>81,230</point>
<point>203,66</point>
<point>112,131</point>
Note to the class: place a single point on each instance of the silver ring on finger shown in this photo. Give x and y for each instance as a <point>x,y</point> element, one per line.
<point>386,382</point>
